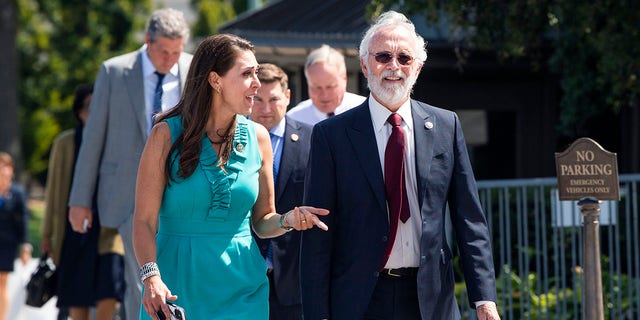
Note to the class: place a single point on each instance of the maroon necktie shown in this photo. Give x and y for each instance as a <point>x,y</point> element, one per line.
<point>394,181</point>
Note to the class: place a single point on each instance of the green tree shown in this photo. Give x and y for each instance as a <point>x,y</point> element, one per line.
<point>213,13</point>
<point>61,44</point>
<point>592,45</point>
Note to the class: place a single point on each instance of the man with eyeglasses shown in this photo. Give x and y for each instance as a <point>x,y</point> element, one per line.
<point>387,170</point>
<point>326,75</point>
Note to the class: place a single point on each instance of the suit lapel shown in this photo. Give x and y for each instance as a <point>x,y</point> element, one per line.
<point>423,138</point>
<point>135,89</point>
<point>363,142</point>
<point>290,152</point>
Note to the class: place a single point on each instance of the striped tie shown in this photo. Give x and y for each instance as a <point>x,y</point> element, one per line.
<point>157,96</point>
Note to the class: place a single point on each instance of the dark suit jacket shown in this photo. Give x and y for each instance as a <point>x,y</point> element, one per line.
<point>14,218</point>
<point>339,268</point>
<point>289,191</point>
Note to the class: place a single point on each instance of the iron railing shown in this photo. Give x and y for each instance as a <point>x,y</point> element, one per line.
<point>537,247</point>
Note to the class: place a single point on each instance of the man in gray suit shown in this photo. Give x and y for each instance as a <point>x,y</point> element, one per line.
<point>129,90</point>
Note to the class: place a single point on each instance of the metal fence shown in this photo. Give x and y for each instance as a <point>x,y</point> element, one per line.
<point>537,246</point>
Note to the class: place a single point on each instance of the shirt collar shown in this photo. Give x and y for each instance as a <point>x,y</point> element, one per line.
<point>148,68</point>
<point>339,109</point>
<point>379,113</point>
<point>319,114</point>
<point>278,130</point>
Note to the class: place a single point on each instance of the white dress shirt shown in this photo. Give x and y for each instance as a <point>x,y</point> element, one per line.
<point>406,248</point>
<point>170,85</point>
<point>307,112</point>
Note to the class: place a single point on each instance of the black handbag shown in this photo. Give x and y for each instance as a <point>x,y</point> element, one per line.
<point>43,283</point>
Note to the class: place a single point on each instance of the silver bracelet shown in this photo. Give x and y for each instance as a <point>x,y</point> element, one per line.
<point>147,270</point>
<point>281,222</point>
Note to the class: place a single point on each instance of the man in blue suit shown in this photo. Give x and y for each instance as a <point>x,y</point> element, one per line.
<point>385,255</point>
<point>129,90</point>
<point>290,143</point>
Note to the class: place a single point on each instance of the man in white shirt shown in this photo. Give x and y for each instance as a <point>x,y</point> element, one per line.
<point>326,75</point>
<point>387,171</point>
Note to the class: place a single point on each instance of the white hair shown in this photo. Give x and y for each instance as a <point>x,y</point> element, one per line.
<point>393,18</point>
<point>328,55</point>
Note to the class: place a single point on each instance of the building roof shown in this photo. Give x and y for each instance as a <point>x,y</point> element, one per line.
<point>303,24</point>
<point>307,24</point>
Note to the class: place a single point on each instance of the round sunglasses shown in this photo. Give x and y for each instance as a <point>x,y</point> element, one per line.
<point>386,57</point>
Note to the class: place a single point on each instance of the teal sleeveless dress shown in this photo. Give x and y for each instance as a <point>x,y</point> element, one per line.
<point>205,251</point>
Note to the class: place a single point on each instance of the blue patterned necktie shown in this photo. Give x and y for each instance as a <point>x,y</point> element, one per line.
<point>276,167</point>
<point>276,158</point>
<point>157,96</point>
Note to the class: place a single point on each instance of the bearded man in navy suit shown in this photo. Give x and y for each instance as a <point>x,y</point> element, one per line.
<point>290,143</point>
<point>385,254</point>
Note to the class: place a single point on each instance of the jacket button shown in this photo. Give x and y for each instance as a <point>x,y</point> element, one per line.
<point>384,238</point>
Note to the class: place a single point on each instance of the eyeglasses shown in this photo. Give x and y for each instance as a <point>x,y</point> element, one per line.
<point>386,57</point>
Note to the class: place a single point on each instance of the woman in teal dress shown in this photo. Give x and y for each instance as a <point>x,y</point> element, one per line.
<point>205,179</point>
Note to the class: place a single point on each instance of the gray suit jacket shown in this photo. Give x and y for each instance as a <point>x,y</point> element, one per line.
<point>114,137</point>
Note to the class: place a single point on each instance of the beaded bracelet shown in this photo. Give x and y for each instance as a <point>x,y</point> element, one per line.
<point>147,270</point>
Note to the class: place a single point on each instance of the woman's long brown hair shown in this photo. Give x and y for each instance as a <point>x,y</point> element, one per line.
<point>216,53</point>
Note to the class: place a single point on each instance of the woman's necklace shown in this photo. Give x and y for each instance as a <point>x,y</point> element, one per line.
<point>223,144</point>
<point>224,137</point>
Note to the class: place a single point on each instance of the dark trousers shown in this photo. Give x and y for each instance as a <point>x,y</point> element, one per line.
<point>394,298</point>
<point>278,311</point>
<point>63,313</point>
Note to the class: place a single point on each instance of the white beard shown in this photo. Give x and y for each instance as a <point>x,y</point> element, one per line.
<point>391,94</point>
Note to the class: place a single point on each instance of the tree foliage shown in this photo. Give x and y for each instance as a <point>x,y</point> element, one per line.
<point>61,44</point>
<point>592,45</point>
<point>213,13</point>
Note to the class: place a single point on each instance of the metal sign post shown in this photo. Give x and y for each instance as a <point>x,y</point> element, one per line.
<point>588,173</point>
<point>592,303</point>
